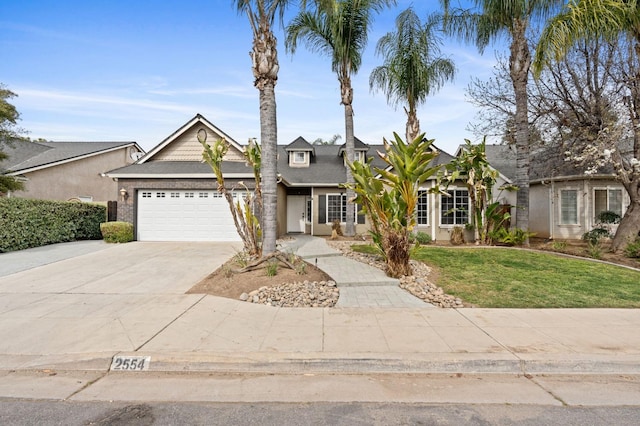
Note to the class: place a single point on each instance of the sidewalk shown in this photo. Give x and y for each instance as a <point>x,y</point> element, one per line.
<point>77,314</point>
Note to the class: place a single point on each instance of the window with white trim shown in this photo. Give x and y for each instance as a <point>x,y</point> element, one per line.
<point>423,207</point>
<point>160,194</point>
<point>175,195</point>
<point>203,195</point>
<point>146,195</point>
<point>308,213</point>
<point>568,207</point>
<point>607,200</point>
<point>336,207</point>
<point>299,157</point>
<point>188,195</point>
<point>454,209</point>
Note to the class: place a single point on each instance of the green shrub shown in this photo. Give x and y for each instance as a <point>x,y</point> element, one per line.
<point>512,237</point>
<point>595,235</point>
<point>420,237</point>
<point>608,216</point>
<point>26,223</point>
<point>633,249</point>
<point>117,232</point>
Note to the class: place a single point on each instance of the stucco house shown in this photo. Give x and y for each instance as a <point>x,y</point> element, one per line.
<point>170,193</point>
<point>67,170</point>
<point>564,202</point>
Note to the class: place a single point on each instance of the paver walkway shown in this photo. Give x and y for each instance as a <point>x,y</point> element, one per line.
<point>361,285</point>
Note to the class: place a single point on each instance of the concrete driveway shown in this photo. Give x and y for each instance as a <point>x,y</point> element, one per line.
<point>113,299</point>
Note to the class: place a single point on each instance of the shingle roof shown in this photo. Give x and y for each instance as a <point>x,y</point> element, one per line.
<point>326,168</point>
<point>300,144</point>
<point>28,155</point>
<point>503,159</point>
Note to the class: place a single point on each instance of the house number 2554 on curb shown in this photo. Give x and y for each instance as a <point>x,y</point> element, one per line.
<point>130,363</point>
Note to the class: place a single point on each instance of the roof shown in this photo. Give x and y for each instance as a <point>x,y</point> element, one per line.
<point>325,169</point>
<point>503,159</point>
<point>300,144</point>
<point>357,144</point>
<point>24,156</point>
<point>197,119</point>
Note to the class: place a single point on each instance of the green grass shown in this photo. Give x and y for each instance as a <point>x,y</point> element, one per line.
<point>510,278</point>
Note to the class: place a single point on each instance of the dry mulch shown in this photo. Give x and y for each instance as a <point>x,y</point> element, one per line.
<point>221,283</point>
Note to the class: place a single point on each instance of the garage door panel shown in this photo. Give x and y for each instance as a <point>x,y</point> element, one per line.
<point>184,216</point>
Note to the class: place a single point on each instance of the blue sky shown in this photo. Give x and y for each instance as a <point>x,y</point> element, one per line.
<point>137,70</point>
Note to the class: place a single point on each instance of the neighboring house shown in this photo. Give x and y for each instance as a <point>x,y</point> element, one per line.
<point>67,170</point>
<point>564,202</point>
<point>171,194</point>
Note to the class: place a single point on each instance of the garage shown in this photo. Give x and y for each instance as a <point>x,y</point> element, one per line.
<point>184,215</point>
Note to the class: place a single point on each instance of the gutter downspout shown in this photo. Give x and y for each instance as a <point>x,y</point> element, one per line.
<point>552,199</point>
<point>313,207</point>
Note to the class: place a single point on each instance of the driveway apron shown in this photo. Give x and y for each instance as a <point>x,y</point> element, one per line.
<point>115,299</point>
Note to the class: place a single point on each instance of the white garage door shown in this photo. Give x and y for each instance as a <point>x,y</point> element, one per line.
<point>177,215</point>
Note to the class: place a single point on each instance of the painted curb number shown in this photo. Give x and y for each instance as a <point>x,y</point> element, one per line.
<point>130,363</point>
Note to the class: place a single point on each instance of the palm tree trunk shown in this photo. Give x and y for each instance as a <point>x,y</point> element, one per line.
<point>519,64</point>
<point>413,124</point>
<point>268,167</point>
<point>347,101</point>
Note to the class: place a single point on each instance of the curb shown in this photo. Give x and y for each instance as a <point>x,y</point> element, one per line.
<point>344,364</point>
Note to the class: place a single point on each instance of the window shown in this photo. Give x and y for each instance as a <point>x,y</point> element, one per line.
<point>175,195</point>
<point>454,209</point>
<point>188,195</point>
<point>423,207</point>
<point>607,200</point>
<point>160,194</point>
<point>568,207</point>
<point>359,156</point>
<point>217,195</point>
<point>299,157</point>
<point>308,213</point>
<point>146,195</point>
<point>336,208</point>
<point>203,195</point>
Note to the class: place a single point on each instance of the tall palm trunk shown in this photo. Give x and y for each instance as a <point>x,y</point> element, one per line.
<point>519,64</point>
<point>268,137</point>
<point>347,100</point>
<point>413,124</point>
<point>265,70</point>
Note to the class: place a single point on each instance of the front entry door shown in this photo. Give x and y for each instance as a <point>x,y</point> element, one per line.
<point>295,213</point>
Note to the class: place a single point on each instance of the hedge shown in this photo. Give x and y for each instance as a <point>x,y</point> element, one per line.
<point>28,223</point>
<point>117,232</point>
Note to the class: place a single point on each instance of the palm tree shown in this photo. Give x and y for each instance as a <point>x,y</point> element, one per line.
<point>264,60</point>
<point>593,19</point>
<point>413,68</point>
<point>338,29</point>
<point>512,18</point>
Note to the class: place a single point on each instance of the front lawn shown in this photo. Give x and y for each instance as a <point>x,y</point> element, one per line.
<point>512,278</point>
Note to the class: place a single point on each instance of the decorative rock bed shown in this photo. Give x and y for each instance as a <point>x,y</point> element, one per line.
<point>316,294</point>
